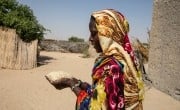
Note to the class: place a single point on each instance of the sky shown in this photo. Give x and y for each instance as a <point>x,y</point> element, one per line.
<point>66,18</point>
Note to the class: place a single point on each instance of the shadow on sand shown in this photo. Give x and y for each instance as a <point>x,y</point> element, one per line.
<point>44,60</point>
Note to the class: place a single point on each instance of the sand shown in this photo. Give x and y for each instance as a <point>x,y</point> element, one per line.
<point>29,89</point>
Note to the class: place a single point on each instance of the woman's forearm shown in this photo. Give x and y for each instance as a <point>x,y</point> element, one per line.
<point>84,85</point>
<point>76,90</point>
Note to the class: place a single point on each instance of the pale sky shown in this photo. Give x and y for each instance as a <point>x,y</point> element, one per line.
<point>66,18</point>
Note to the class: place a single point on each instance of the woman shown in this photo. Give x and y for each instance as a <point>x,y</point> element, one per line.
<point>117,82</point>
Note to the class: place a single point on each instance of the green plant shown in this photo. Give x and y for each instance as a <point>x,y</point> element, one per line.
<point>21,18</point>
<point>75,39</point>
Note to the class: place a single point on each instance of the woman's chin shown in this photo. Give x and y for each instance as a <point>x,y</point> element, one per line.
<point>98,50</point>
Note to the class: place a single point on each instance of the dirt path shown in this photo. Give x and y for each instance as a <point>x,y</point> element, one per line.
<point>29,90</point>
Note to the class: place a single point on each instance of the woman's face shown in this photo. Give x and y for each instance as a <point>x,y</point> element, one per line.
<point>94,36</point>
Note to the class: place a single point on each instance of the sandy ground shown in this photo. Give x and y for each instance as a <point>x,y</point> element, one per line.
<point>29,90</point>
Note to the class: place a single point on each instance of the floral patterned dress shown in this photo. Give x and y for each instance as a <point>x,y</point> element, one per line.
<point>107,90</point>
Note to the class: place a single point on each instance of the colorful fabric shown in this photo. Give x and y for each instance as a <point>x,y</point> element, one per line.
<point>107,89</point>
<point>82,102</point>
<point>108,74</point>
<point>117,80</point>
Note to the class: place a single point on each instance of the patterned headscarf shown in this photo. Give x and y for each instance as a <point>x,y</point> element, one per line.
<point>113,31</point>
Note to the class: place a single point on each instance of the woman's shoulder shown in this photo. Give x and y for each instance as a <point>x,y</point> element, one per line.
<point>104,61</point>
<point>106,66</point>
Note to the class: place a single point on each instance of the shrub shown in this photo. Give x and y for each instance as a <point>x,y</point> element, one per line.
<point>21,18</point>
<point>75,39</point>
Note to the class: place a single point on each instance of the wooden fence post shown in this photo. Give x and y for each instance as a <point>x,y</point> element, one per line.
<point>15,53</point>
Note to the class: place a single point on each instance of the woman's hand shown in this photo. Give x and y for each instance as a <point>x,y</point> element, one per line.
<point>61,79</point>
<point>64,83</point>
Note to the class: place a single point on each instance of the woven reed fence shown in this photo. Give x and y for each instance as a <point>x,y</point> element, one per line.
<point>14,53</point>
